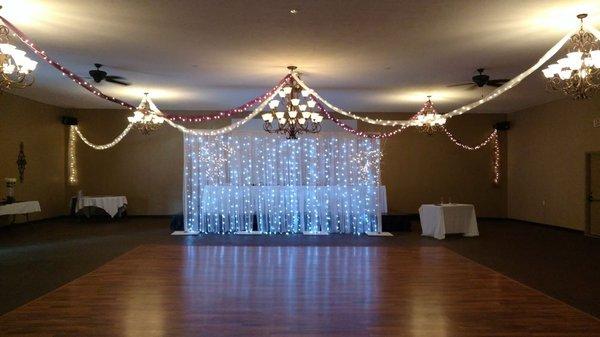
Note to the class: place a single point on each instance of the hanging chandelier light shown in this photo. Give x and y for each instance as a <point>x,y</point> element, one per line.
<point>147,117</point>
<point>427,119</point>
<point>578,74</point>
<point>16,69</point>
<point>294,115</point>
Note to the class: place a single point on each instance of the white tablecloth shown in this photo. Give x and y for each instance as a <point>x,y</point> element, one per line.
<point>25,207</point>
<point>383,199</point>
<point>437,221</point>
<point>110,204</point>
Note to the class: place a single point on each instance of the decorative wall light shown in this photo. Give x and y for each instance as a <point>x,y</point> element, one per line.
<point>295,115</point>
<point>578,74</point>
<point>147,117</point>
<point>21,162</point>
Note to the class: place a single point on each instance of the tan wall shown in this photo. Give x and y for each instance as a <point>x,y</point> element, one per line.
<point>546,162</point>
<point>416,168</point>
<point>39,127</point>
<point>421,169</point>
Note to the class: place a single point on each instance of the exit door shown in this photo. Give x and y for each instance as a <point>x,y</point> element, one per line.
<point>593,197</point>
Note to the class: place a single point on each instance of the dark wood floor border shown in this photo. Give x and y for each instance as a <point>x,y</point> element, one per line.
<point>523,285</point>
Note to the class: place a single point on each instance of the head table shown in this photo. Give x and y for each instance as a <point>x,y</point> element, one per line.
<point>336,209</point>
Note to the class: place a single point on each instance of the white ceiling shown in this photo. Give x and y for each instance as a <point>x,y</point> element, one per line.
<point>382,55</point>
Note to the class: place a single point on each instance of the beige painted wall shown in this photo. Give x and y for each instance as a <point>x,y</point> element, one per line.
<point>416,168</point>
<point>546,162</point>
<point>39,127</point>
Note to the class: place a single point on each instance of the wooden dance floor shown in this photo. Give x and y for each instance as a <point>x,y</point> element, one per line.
<point>171,290</point>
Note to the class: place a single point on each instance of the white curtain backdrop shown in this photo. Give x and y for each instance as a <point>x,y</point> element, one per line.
<point>324,182</point>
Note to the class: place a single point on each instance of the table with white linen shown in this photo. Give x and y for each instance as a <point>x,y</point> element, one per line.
<point>439,220</point>
<point>24,207</point>
<point>110,204</point>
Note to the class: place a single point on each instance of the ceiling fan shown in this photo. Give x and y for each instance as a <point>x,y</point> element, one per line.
<point>482,80</point>
<point>101,75</point>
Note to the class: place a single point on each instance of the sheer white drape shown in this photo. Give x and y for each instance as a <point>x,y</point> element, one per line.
<point>325,182</point>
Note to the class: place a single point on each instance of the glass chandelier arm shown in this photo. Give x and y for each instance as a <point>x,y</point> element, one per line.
<point>104,146</point>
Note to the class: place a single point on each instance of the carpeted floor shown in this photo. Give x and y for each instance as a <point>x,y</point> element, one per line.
<point>38,257</point>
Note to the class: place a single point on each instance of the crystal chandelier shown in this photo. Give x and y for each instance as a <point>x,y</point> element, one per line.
<point>427,119</point>
<point>16,68</point>
<point>296,114</point>
<point>147,117</point>
<point>578,74</point>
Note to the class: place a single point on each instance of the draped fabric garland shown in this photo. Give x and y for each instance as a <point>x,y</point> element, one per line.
<point>284,186</point>
<point>321,101</point>
<point>200,118</point>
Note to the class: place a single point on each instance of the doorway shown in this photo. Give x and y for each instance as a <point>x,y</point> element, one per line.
<point>593,194</point>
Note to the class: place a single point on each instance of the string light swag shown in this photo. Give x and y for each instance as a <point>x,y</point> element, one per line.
<point>72,156</point>
<point>578,74</point>
<point>295,115</point>
<point>490,96</point>
<point>228,113</point>
<point>427,119</point>
<point>147,117</point>
<point>493,138</point>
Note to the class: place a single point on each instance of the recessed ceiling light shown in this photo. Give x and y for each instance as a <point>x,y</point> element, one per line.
<point>293,11</point>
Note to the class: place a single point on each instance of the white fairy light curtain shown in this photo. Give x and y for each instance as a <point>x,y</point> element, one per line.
<point>254,181</point>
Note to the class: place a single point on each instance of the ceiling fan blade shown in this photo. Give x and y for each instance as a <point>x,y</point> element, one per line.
<point>459,85</point>
<point>115,77</point>
<point>499,80</point>
<point>117,81</point>
<point>492,84</point>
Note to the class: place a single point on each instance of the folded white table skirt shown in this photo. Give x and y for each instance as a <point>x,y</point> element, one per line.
<point>110,204</point>
<point>437,221</point>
